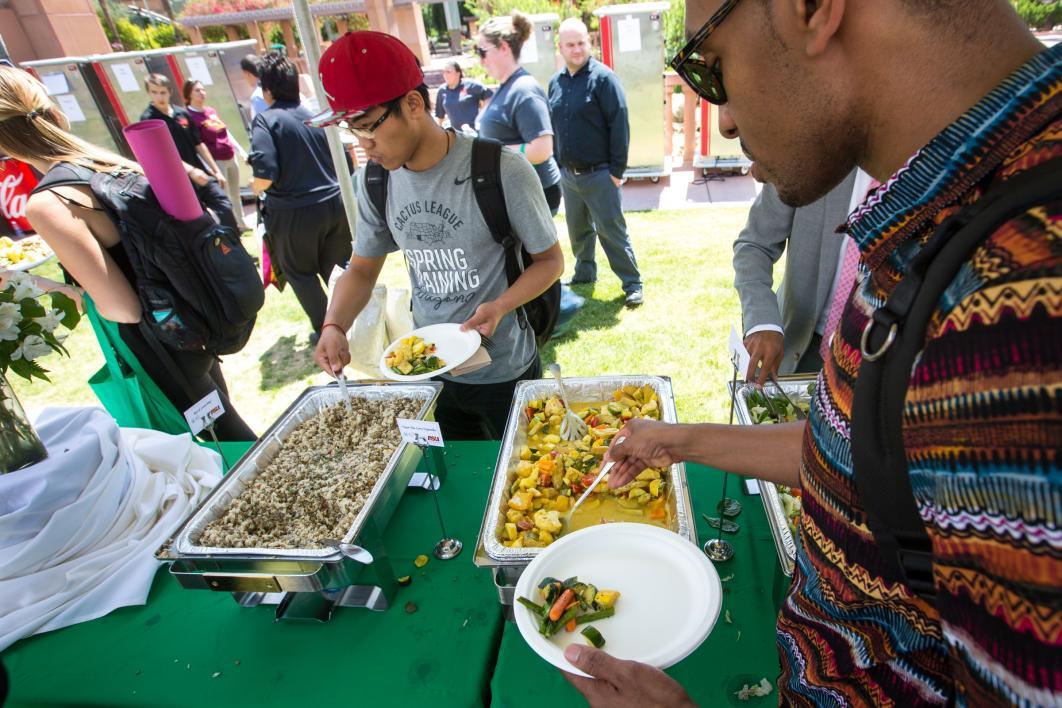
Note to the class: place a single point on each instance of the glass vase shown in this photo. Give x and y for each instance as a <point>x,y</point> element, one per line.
<point>19,445</point>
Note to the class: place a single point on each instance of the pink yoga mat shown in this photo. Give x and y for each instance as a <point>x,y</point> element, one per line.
<point>153,147</point>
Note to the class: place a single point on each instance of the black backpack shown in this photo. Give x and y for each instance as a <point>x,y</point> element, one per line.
<point>894,336</point>
<point>198,287</point>
<point>540,313</point>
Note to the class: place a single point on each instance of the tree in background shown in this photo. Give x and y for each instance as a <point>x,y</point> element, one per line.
<point>1039,14</point>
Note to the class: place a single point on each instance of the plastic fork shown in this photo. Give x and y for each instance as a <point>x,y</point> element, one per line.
<point>572,427</point>
<point>342,380</point>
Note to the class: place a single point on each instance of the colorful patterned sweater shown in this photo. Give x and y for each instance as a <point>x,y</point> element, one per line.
<point>982,431</point>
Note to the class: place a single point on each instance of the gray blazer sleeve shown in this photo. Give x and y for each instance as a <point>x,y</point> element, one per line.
<point>757,248</point>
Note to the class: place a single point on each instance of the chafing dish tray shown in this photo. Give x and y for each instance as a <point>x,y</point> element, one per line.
<point>796,387</point>
<point>271,570</point>
<point>509,562</point>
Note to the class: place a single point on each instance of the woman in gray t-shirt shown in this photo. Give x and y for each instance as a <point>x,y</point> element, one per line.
<point>518,115</point>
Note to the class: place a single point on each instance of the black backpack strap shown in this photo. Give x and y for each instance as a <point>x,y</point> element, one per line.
<point>376,178</point>
<point>67,174</point>
<point>490,197</point>
<point>892,340</point>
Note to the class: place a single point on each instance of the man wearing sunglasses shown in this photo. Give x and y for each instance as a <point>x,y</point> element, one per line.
<point>373,82</point>
<point>941,102</point>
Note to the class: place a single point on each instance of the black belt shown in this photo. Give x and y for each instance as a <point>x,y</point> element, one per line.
<point>579,170</point>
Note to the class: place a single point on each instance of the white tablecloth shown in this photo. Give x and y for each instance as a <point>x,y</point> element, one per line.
<point>78,531</point>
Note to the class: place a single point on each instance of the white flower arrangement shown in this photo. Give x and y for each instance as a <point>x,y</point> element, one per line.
<point>28,328</point>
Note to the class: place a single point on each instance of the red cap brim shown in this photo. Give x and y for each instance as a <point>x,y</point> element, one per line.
<point>331,117</point>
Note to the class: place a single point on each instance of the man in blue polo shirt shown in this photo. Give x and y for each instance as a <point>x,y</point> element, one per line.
<point>589,113</point>
<point>304,215</point>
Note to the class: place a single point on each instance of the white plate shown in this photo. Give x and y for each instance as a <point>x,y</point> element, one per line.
<point>670,594</point>
<point>451,345</point>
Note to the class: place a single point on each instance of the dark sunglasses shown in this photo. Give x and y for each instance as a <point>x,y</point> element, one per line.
<point>705,78</point>
<point>481,52</point>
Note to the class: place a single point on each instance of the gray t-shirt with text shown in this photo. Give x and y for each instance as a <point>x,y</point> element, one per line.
<point>454,263</point>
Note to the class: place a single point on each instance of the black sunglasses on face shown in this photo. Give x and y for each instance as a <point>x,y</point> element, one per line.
<point>702,73</point>
<point>481,52</point>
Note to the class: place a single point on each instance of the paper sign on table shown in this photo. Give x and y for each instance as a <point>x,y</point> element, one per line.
<point>123,73</point>
<point>68,104</point>
<point>55,83</point>
<point>630,35</point>
<point>198,71</point>
<point>420,432</point>
<point>204,412</point>
<point>739,355</point>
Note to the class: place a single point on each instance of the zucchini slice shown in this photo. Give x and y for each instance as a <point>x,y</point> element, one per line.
<point>593,636</point>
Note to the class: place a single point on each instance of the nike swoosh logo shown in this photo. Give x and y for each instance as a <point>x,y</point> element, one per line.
<point>459,182</point>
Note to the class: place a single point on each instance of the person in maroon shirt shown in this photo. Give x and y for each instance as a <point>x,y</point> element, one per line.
<point>222,146</point>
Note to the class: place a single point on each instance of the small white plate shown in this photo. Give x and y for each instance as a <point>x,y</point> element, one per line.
<point>451,345</point>
<point>670,594</point>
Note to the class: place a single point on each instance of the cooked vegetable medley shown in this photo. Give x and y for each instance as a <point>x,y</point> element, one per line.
<point>768,408</point>
<point>552,473</point>
<point>413,356</point>
<point>568,604</point>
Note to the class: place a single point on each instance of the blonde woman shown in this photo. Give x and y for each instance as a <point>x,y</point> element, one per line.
<point>518,114</point>
<point>88,244</point>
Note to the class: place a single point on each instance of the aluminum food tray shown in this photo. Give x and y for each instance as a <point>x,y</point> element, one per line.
<point>490,551</point>
<point>385,493</point>
<point>784,543</point>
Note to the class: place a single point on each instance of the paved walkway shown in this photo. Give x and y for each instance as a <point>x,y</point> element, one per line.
<point>687,189</point>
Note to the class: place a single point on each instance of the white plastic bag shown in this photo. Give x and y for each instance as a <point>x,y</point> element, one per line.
<point>368,337</point>
<point>398,313</point>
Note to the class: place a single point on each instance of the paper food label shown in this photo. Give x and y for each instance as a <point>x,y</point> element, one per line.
<point>420,432</point>
<point>205,412</point>
<point>739,355</point>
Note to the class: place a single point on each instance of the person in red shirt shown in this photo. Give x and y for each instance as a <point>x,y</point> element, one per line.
<point>222,146</point>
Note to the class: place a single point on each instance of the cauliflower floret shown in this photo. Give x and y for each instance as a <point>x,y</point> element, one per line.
<point>548,521</point>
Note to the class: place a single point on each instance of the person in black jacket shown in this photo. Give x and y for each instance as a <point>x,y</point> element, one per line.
<point>304,215</point>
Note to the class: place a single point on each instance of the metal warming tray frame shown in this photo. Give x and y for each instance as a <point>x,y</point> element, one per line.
<point>306,582</point>
<point>507,564</point>
<point>784,543</point>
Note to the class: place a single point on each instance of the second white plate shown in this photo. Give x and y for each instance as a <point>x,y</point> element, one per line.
<point>670,593</point>
<point>451,345</point>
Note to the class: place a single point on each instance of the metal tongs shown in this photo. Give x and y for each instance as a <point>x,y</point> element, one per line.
<point>342,380</point>
<point>797,410</point>
<point>597,480</point>
<point>572,427</point>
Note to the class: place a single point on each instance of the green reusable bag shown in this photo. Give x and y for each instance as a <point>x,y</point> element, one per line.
<point>124,388</point>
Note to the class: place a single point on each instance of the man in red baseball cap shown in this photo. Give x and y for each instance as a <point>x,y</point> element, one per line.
<point>428,210</point>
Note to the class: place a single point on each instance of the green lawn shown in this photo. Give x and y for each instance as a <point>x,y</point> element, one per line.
<point>681,331</point>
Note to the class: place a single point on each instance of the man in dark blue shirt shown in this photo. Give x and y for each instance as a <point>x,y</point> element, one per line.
<point>589,114</point>
<point>304,217</point>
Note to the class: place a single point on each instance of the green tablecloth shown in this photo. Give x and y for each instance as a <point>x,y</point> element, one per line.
<point>168,651</point>
<point>737,652</point>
